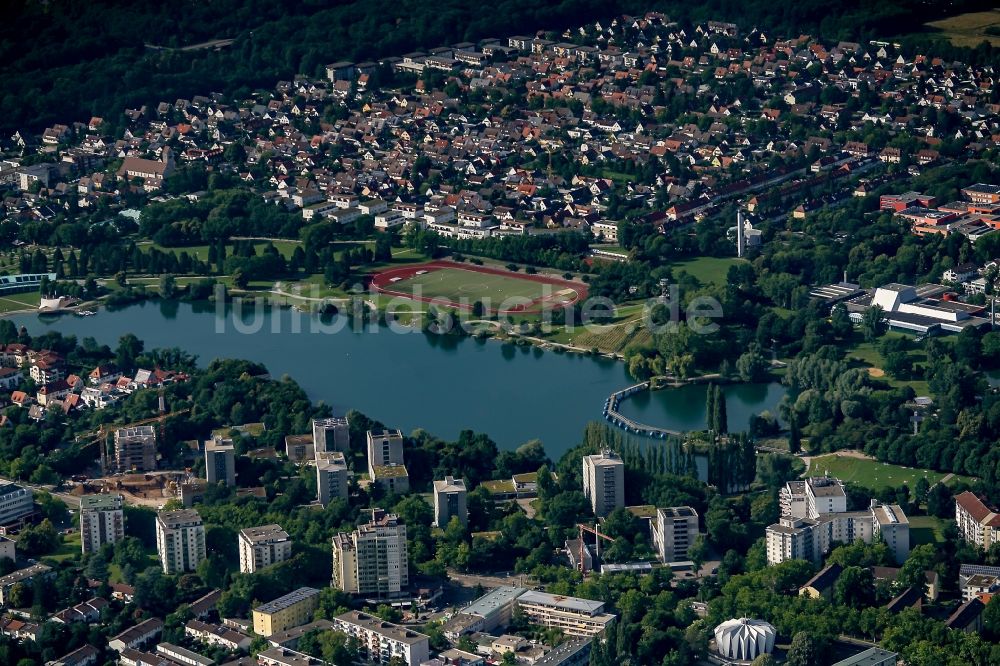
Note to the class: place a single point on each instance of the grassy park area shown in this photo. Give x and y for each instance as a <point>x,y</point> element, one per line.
<point>871,474</point>
<point>708,270</point>
<point>23,301</point>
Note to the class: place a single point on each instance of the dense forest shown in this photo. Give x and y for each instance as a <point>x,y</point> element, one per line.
<point>66,61</point>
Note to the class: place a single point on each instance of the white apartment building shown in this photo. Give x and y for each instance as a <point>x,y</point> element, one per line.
<point>674,530</point>
<point>102,520</point>
<point>373,559</point>
<point>381,641</point>
<point>891,525</point>
<point>978,523</point>
<point>571,615</point>
<point>604,482</point>
<point>450,500</point>
<point>263,546</point>
<point>220,461</point>
<point>333,434</point>
<point>180,540</point>
<point>385,448</point>
<point>815,518</point>
<point>332,476</point>
<point>16,502</point>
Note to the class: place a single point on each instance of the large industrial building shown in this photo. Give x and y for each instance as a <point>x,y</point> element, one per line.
<point>917,309</point>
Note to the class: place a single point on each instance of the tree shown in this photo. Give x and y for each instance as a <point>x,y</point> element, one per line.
<point>698,551</point>
<point>873,323</point>
<point>129,349</point>
<point>991,619</point>
<point>764,660</point>
<point>751,365</point>
<point>855,588</point>
<point>168,285</point>
<point>804,651</point>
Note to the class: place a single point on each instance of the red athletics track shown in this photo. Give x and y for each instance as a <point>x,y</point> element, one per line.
<point>383,281</point>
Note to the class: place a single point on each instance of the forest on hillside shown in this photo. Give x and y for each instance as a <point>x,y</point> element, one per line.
<point>66,61</point>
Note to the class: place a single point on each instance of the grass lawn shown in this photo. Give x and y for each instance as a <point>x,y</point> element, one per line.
<point>871,474</point>
<point>455,284</point>
<point>868,354</point>
<point>68,549</point>
<point>926,529</point>
<point>970,29</point>
<point>709,270</point>
<point>22,301</point>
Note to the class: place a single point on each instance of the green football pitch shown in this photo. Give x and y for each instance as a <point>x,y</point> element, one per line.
<point>455,284</point>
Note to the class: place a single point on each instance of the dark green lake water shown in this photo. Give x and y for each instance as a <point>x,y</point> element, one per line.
<point>412,380</point>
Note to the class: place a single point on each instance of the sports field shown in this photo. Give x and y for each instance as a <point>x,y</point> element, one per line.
<point>454,283</point>
<point>461,285</point>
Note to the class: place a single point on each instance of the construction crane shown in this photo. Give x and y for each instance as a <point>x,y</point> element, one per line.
<point>582,566</point>
<point>100,435</point>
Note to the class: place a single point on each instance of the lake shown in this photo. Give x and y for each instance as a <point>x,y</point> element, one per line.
<point>411,380</point>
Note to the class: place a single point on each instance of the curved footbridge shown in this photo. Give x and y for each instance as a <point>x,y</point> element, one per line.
<point>615,417</point>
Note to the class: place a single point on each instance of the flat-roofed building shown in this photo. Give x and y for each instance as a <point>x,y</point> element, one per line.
<point>332,477</point>
<point>373,558</point>
<point>279,656</point>
<point>381,641</point>
<point>871,657</point>
<point>489,612</point>
<point>333,434</point>
<point>16,502</point>
<point>220,461</point>
<point>263,546</point>
<point>450,501</point>
<point>674,530</point>
<point>394,478</point>
<point>889,521</point>
<point>102,520</point>
<point>180,655</point>
<point>824,495</point>
<point>287,611</point>
<point>8,548</point>
<point>135,449</point>
<point>384,447</point>
<point>25,575</point>
<point>299,448</point>
<point>180,540</point>
<point>571,615</point>
<point>604,482</point>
